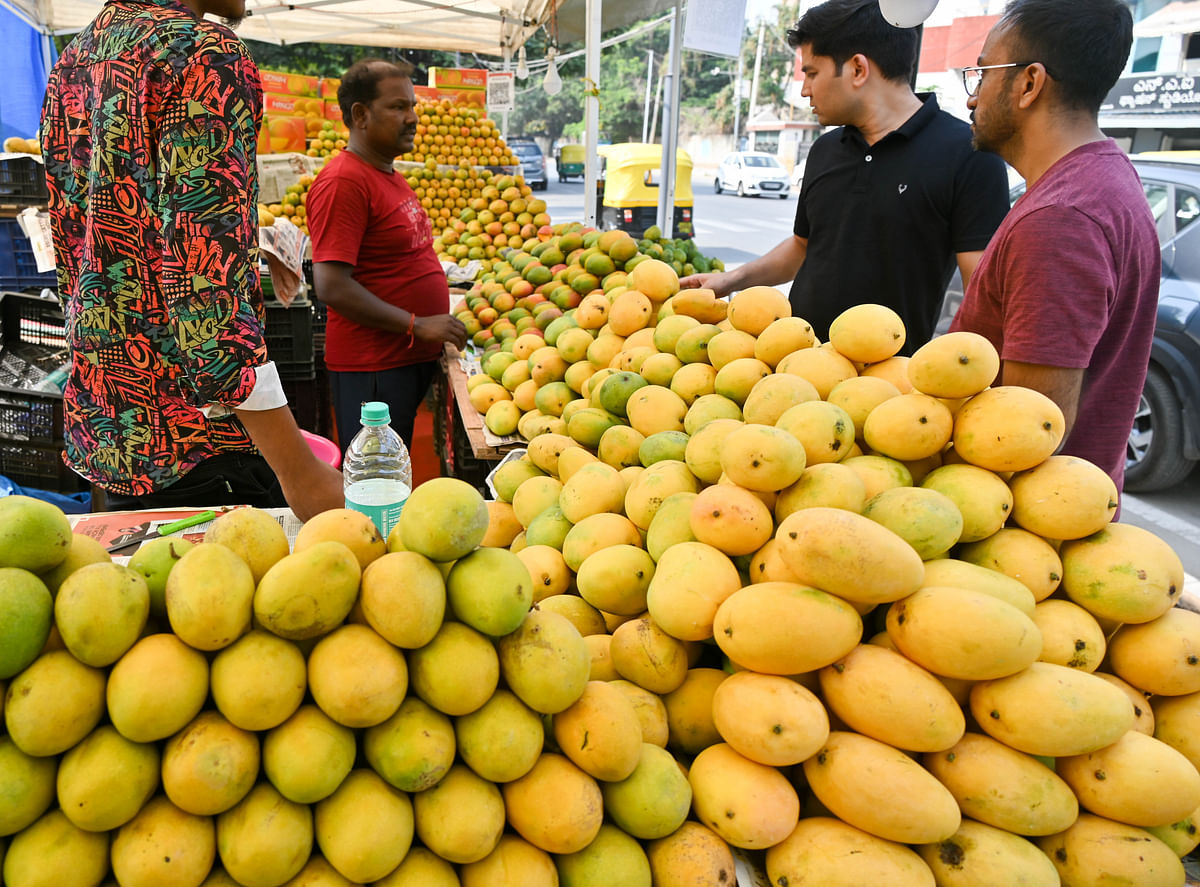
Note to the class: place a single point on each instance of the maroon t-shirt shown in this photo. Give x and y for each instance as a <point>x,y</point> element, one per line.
<point>371,219</point>
<point>1070,279</point>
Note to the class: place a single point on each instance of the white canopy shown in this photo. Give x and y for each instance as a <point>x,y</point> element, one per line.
<point>1179,17</point>
<point>483,26</point>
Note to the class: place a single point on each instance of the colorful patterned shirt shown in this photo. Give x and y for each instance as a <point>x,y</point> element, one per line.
<point>149,133</point>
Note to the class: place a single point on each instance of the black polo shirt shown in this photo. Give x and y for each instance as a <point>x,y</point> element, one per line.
<point>884,221</point>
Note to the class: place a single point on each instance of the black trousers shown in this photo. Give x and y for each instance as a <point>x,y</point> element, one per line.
<point>226,479</point>
<point>402,389</point>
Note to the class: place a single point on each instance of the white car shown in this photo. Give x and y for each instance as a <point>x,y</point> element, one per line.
<point>754,173</point>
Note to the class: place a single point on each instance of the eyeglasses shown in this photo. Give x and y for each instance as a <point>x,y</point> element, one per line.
<point>972,76</point>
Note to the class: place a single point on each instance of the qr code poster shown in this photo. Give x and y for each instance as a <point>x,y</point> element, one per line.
<point>500,87</point>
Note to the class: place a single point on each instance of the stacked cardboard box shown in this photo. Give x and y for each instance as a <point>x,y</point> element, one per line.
<point>296,116</point>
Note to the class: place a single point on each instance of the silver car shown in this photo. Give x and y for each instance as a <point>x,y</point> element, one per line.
<point>752,173</point>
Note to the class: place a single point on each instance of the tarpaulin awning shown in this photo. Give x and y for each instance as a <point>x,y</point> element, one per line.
<point>482,26</point>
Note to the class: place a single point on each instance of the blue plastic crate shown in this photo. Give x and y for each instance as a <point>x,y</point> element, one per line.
<point>18,266</point>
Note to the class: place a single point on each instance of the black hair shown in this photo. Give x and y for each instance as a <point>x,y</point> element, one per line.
<point>1082,43</point>
<point>841,29</point>
<point>360,83</point>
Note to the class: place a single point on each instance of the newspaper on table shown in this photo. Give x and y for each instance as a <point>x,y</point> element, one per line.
<point>277,171</point>
<point>456,273</point>
<point>110,528</point>
<point>284,246</point>
<point>469,361</point>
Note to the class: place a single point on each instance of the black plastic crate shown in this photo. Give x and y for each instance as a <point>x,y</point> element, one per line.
<point>320,312</point>
<point>289,333</point>
<point>32,346</point>
<point>38,467</point>
<point>18,265</point>
<point>22,178</point>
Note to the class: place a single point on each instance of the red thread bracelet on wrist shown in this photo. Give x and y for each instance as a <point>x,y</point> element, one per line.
<point>412,325</point>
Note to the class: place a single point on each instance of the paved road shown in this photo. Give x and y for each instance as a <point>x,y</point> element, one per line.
<point>737,229</point>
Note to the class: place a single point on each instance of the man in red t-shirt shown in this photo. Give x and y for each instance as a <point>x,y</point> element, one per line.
<point>1067,290</point>
<point>373,261</point>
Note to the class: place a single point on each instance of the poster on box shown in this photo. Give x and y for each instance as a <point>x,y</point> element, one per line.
<point>290,84</point>
<point>458,78</point>
<point>292,106</point>
<point>453,96</point>
<point>333,111</point>
<point>329,87</point>
<point>282,135</point>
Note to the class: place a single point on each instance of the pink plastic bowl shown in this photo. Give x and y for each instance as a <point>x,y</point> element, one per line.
<point>324,449</point>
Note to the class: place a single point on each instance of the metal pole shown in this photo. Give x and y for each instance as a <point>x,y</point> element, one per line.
<point>649,88</point>
<point>504,114</point>
<point>757,68</point>
<point>666,187</point>
<point>591,112</point>
<point>737,102</point>
<point>658,91</point>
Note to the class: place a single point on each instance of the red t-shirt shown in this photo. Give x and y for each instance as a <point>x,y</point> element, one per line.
<point>371,219</point>
<point>1070,279</point>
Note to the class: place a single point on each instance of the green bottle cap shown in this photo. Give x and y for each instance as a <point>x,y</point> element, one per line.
<point>375,412</point>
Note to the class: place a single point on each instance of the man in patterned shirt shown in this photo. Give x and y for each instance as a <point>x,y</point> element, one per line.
<point>149,131</point>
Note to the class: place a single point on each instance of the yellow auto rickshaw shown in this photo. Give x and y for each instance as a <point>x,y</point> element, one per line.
<point>627,191</point>
<point>569,159</point>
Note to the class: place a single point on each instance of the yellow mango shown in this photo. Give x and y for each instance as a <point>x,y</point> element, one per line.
<point>1177,723</point>
<point>881,790</point>
<point>1161,657</point>
<point>1024,556</point>
<point>209,765</point>
<point>100,611</point>
<point>356,677</point>
<point>586,618</point>
<point>1138,780</point>
<point>1003,787</point>
<point>1070,635</point>
<point>671,524</point>
<point>364,829</point>
<point>651,712</point>
<point>259,680</point>
<point>304,595</point>
<point>256,537</point>
<point>703,451</point>
<point>878,473</point>
<point>867,333</point>
<point>690,710</point>
<point>1051,710</point>
<point>762,458</point>
<point>600,733</point>
<point>163,844</point>
<point>881,694</point>
<point>981,496</point>
<point>769,718</point>
<point>645,654</point>
<point>461,818</point>
<point>824,430</point>
<point>596,532</point>
<point>833,854</point>
<point>616,579</point>
<point>1063,498</point>
<point>545,662</point>
<point>457,671</point>
<point>963,634</point>
<point>1122,573</point>
<point>755,308</point>
<point>785,628</point>
<point>691,856</point>
<point>403,597</point>
<point>848,555</point>
<point>750,805</point>
<point>691,581</point>
<point>1143,713</point>
<point>909,427</point>
<point>826,484</point>
<point>1008,428</point>
<point>52,852</point>
<point>513,863</point>
<point>959,364</point>
<point>53,704</point>
<point>894,370</point>
<point>568,824</point>
<point>156,688</point>
<point>308,755</point>
<point>961,574</point>
<point>1097,851</point>
<point>773,395</point>
<point>653,486</point>
<point>927,520</point>
<point>413,748</point>
<point>824,368</point>
<point>981,854</point>
<point>209,596</point>
<point>654,408</point>
<point>731,519</point>
<point>501,740</point>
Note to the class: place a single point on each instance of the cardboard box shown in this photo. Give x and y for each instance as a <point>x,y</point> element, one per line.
<point>290,84</point>
<point>292,106</point>
<point>454,96</point>
<point>333,111</point>
<point>329,87</point>
<point>282,135</point>
<point>458,78</point>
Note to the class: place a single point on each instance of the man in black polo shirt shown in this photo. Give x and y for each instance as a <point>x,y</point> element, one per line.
<point>892,198</point>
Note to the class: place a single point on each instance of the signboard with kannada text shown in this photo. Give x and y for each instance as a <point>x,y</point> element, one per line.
<point>1154,94</point>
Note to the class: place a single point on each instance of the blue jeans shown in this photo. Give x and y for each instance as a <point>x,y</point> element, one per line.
<point>402,389</point>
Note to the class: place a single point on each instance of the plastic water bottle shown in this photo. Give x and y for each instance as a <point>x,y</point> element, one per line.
<point>377,470</point>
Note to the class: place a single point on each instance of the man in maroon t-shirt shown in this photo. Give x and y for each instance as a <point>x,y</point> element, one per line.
<point>373,259</point>
<point>1067,290</point>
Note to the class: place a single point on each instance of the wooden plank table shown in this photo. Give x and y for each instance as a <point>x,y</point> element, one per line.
<point>472,421</point>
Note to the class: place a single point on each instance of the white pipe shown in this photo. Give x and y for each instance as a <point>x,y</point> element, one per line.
<point>591,110</point>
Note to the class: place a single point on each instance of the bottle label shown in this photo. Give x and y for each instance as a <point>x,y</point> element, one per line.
<point>379,499</point>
